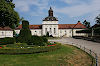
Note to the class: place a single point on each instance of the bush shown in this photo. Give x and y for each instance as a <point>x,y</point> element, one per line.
<point>36,40</point>
<point>45,40</point>
<point>25,33</point>
<point>29,50</point>
<point>7,40</point>
<point>17,45</point>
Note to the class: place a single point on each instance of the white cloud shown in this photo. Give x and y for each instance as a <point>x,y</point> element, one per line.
<point>80,9</point>
<point>24,5</point>
<point>72,1</point>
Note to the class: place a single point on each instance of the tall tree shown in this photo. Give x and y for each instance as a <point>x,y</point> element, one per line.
<point>8,16</point>
<point>86,23</point>
<point>97,19</point>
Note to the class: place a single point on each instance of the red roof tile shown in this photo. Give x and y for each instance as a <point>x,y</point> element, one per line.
<point>66,26</point>
<point>60,26</point>
<point>31,27</point>
<point>5,28</point>
<point>79,25</point>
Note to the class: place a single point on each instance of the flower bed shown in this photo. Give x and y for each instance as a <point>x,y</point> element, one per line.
<point>29,50</point>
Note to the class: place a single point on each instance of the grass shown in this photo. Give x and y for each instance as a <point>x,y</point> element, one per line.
<point>66,56</point>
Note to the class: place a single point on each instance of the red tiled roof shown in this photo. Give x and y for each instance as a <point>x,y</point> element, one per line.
<point>60,26</point>
<point>79,25</point>
<point>5,28</point>
<point>35,26</point>
<point>69,26</point>
<point>66,26</point>
<point>31,27</point>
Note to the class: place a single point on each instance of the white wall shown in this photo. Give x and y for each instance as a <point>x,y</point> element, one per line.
<point>36,32</point>
<point>51,27</point>
<point>65,32</point>
<point>33,31</point>
<point>5,33</point>
<point>78,34</point>
<point>50,22</point>
<point>58,32</point>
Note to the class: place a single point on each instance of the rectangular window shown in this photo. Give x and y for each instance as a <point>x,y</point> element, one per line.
<point>45,30</point>
<point>54,30</point>
<point>2,33</point>
<point>50,30</point>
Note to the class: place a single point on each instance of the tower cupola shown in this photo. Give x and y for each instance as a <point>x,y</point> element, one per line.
<point>50,12</point>
<point>50,16</point>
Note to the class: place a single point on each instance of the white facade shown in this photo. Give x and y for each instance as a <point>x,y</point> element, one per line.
<point>6,33</point>
<point>50,24</point>
<point>51,27</point>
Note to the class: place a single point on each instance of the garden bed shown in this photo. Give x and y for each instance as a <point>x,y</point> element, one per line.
<point>65,56</point>
<point>29,49</point>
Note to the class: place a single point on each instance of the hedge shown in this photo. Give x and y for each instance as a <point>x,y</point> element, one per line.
<point>29,50</point>
<point>7,40</point>
<point>37,40</point>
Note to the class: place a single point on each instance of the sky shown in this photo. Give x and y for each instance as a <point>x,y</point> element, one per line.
<point>67,11</point>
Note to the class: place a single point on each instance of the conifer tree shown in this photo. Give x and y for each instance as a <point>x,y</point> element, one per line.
<point>25,33</point>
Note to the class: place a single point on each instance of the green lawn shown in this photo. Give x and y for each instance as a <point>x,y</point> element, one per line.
<point>66,56</point>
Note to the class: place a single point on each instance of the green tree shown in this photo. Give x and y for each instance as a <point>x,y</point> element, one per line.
<point>8,16</point>
<point>97,19</point>
<point>25,33</point>
<point>86,23</point>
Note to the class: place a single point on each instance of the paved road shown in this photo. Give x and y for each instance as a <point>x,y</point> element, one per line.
<point>88,44</point>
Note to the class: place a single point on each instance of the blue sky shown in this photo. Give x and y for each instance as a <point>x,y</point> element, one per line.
<point>67,11</point>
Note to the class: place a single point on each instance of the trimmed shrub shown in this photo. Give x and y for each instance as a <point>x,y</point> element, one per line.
<point>44,39</point>
<point>29,50</point>
<point>36,40</point>
<point>25,33</point>
<point>17,45</point>
<point>7,40</point>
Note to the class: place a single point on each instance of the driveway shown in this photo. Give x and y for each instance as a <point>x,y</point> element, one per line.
<point>95,47</point>
<point>88,44</point>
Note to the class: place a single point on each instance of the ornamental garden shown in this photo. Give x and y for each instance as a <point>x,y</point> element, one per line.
<point>26,49</point>
<point>26,43</point>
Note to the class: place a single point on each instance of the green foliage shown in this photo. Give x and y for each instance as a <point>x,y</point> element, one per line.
<point>97,30</point>
<point>36,40</point>
<point>97,19</point>
<point>7,40</point>
<point>25,24</point>
<point>8,16</point>
<point>17,45</point>
<point>29,50</point>
<point>45,40</point>
<point>25,33</point>
<point>47,34</point>
<point>86,23</point>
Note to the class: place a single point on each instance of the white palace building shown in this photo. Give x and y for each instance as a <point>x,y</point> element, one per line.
<point>50,24</point>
